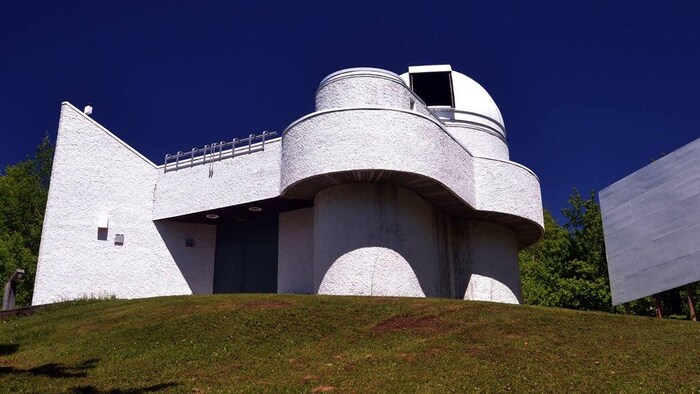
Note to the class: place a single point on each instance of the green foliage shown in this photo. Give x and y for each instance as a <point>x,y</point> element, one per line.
<point>567,268</point>
<point>23,191</point>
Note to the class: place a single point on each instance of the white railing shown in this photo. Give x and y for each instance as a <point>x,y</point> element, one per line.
<point>217,151</point>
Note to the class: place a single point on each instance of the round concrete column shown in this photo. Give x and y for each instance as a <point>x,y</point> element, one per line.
<point>378,239</point>
<point>493,271</point>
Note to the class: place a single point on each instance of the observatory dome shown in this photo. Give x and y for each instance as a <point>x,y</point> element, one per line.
<point>454,97</point>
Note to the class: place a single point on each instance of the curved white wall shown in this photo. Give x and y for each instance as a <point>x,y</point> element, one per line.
<point>480,142</point>
<point>378,239</point>
<point>383,239</point>
<point>406,204</point>
<point>374,139</point>
<point>367,87</point>
<point>493,268</point>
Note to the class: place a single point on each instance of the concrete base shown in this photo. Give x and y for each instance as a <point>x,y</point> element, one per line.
<point>494,274</point>
<point>383,239</point>
<point>365,242</point>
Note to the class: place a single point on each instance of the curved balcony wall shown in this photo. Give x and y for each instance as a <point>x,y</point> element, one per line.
<point>388,145</point>
<point>367,87</point>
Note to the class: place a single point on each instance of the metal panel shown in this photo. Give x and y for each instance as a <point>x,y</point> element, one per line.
<point>651,221</point>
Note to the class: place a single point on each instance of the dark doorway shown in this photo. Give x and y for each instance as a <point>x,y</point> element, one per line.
<point>246,256</point>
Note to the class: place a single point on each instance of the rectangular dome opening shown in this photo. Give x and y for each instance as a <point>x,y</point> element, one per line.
<point>434,88</point>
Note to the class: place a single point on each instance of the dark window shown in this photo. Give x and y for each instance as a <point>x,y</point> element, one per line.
<point>434,88</point>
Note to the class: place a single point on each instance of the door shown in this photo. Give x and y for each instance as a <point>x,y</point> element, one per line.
<point>246,256</point>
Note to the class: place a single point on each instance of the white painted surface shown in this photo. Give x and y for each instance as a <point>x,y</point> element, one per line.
<point>295,273</point>
<point>375,139</point>
<point>395,140</point>
<point>493,268</point>
<point>360,238</point>
<point>371,271</point>
<point>238,180</point>
<point>479,141</point>
<point>472,102</point>
<point>367,87</point>
<point>373,238</point>
<point>508,187</point>
<point>113,180</point>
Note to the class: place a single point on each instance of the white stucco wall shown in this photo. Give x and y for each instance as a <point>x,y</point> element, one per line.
<point>378,239</point>
<point>367,87</point>
<point>295,270</point>
<point>394,140</point>
<point>508,187</point>
<point>493,267</point>
<point>375,139</point>
<point>230,181</point>
<point>96,175</point>
<point>480,142</point>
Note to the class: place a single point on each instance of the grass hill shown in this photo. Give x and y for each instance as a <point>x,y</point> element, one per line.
<point>278,343</point>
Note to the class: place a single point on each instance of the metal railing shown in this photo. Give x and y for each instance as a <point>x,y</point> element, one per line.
<point>217,151</point>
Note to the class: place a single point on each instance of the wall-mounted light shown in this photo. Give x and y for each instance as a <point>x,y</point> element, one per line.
<point>255,209</point>
<point>212,216</point>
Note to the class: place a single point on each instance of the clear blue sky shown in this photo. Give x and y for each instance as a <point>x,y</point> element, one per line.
<point>590,92</point>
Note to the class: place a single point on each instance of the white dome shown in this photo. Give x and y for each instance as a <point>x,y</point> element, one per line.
<point>472,97</point>
<point>472,103</point>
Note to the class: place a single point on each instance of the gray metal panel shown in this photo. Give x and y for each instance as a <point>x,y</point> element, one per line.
<point>651,221</point>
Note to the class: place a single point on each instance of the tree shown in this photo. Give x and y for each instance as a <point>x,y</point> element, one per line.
<point>567,268</point>
<point>23,192</point>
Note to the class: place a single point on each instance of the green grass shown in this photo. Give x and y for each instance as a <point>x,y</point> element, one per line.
<point>275,343</point>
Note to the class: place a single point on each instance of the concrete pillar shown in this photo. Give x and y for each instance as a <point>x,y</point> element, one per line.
<point>494,274</point>
<point>379,239</point>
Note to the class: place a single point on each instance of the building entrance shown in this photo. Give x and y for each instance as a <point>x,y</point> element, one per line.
<point>246,256</point>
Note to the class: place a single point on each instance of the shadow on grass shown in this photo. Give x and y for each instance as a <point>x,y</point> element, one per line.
<point>54,370</point>
<point>8,348</point>
<point>149,389</point>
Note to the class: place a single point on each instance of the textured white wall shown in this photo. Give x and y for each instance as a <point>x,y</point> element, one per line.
<point>396,140</point>
<point>96,174</point>
<point>196,264</point>
<point>358,239</point>
<point>480,142</point>
<point>367,87</point>
<point>507,187</point>
<point>295,270</point>
<point>493,267</point>
<point>378,239</point>
<point>232,181</point>
<point>375,139</point>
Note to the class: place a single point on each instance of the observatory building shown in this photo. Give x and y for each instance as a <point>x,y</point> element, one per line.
<point>397,185</point>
